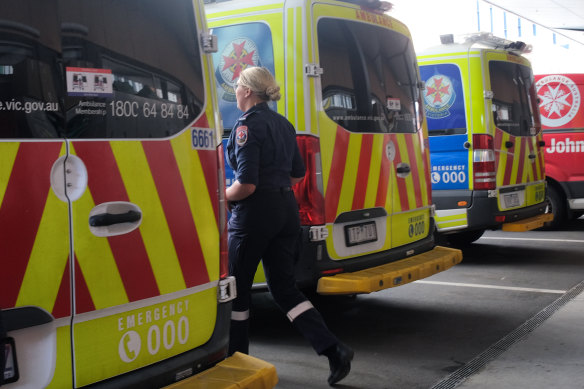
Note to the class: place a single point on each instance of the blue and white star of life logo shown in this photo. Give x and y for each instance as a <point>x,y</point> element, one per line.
<point>238,55</point>
<point>439,96</point>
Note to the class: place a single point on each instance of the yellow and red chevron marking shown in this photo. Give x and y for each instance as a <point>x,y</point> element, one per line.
<point>513,164</point>
<point>173,184</point>
<point>27,203</point>
<point>361,174</point>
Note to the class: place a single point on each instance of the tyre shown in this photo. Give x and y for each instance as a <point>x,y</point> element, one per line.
<point>464,238</point>
<point>558,207</point>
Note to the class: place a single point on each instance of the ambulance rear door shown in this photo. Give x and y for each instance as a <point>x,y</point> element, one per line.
<point>145,231</point>
<point>34,226</point>
<point>374,159</point>
<point>519,152</point>
<point>446,107</point>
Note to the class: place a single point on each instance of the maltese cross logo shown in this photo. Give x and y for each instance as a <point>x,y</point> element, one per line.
<point>559,100</point>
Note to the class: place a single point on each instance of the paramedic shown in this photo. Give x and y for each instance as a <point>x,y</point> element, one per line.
<point>264,223</point>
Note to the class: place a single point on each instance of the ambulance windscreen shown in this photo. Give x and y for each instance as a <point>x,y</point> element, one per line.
<point>98,69</point>
<point>369,80</point>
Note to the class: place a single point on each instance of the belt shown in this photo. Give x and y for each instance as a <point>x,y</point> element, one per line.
<point>283,189</point>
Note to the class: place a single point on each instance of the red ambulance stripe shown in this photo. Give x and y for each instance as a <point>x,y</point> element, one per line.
<point>415,172</point>
<point>522,160</point>
<point>62,306</point>
<point>178,212</point>
<point>498,139</point>
<point>83,300</point>
<point>335,181</point>
<point>383,177</point>
<point>510,160</point>
<point>363,172</point>
<point>202,121</point>
<point>533,162</point>
<point>498,150</point>
<point>208,160</point>
<point>21,212</point>
<point>401,183</point>
<point>106,184</point>
<point>426,158</point>
<point>540,156</point>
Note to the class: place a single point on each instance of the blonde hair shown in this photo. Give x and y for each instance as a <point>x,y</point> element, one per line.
<point>261,82</point>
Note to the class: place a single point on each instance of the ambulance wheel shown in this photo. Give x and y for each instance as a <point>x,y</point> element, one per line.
<point>558,207</point>
<point>464,238</point>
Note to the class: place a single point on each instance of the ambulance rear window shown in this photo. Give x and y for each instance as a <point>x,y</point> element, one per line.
<point>369,81</point>
<point>98,69</point>
<point>515,108</point>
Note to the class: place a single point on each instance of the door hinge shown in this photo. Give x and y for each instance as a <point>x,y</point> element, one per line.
<point>318,233</point>
<point>226,290</point>
<point>313,70</point>
<point>209,43</point>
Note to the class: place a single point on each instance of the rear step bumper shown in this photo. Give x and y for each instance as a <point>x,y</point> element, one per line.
<point>391,274</point>
<point>528,224</point>
<point>238,371</point>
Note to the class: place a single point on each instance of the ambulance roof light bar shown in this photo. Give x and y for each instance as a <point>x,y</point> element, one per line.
<point>376,5</point>
<point>489,40</point>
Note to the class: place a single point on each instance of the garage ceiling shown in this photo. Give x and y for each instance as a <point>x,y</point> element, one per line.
<point>553,14</point>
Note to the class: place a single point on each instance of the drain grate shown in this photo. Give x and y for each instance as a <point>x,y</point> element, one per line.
<point>477,363</point>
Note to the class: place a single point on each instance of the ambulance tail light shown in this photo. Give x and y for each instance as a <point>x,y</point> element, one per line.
<point>309,191</point>
<point>483,158</point>
<point>222,222</point>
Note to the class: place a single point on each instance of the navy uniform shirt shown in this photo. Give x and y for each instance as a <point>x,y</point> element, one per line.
<point>262,149</point>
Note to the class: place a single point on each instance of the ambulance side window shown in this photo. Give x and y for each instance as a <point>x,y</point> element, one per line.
<point>514,98</point>
<point>96,69</point>
<point>131,72</point>
<point>29,72</point>
<point>444,99</point>
<point>369,80</point>
<point>240,46</point>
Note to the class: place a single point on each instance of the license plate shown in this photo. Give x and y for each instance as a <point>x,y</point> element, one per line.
<point>11,368</point>
<point>360,233</point>
<point>511,200</point>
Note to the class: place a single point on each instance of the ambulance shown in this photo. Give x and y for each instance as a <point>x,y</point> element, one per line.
<point>351,88</point>
<point>486,145</point>
<point>562,120</point>
<point>113,264</point>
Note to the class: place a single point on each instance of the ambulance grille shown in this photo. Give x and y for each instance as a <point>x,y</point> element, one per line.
<point>481,360</point>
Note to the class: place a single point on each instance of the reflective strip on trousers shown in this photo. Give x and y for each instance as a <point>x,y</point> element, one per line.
<point>240,315</point>
<point>299,310</point>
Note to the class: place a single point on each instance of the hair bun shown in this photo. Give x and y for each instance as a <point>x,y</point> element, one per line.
<point>273,93</point>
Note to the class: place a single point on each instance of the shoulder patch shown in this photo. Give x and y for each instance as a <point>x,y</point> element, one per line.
<point>241,135</point>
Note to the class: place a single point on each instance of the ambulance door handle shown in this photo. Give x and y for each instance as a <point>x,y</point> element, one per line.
<point>107,219</point>
<point>508,144</point>
<point>403,169</point>
<point>114,218</point>
<point>531,156</point>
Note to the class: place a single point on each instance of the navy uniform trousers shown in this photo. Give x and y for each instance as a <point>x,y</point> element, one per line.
<point>265,226</point>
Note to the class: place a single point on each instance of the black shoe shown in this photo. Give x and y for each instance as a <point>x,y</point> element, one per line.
<point>340,362</point>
